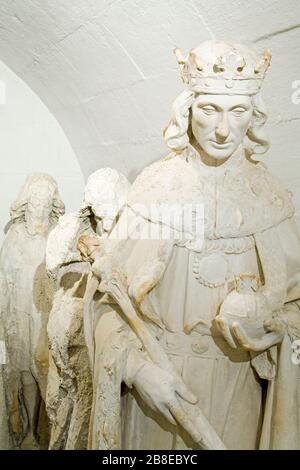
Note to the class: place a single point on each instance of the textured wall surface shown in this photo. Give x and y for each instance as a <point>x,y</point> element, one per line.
<point>32,140</point>
<point>106,71</point>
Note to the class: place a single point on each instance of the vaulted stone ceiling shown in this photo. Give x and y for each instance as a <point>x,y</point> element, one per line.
<point>105,68</point>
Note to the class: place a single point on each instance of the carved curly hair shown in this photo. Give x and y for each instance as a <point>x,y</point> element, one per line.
<point>177,132</point>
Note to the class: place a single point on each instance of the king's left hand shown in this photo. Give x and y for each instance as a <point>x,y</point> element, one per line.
<point>236,336</point>
<point>246,321</point>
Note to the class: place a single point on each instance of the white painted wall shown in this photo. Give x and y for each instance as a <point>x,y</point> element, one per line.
<point>32,140</point>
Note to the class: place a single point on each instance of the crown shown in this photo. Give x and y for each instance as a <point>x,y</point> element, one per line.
<point>217,67</point>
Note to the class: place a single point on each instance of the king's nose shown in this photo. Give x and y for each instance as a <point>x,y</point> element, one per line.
<point>222,130</point>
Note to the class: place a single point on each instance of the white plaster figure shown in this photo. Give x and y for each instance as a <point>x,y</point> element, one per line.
<point>5,440</point>
<point>69,393</point>
<point>26,298</point>
<point>204,325</point>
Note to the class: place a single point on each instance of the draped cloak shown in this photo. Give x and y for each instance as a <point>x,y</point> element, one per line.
<point>25,302</point>
<point>252,400</point>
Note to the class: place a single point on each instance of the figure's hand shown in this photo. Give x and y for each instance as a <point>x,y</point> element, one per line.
<point>89,245</point>
<point>245,318</point>
<point>236,335</point>
<point>160,390</point>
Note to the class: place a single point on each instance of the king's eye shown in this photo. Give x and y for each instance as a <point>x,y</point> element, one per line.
<point>238,111</point>
<point>208,109</point>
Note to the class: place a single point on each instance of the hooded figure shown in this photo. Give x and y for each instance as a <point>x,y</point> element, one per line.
<point>206,279</point>
<point>26,298</point>
<point>69,391</point>
<point>5,441</point>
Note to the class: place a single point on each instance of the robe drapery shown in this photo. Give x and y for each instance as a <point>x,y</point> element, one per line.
<point>4,431</point>
<point>248,227</point>
<point>25,302</point>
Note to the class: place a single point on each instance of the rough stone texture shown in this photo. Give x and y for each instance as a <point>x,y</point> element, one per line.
<point>102,66</point>
<point>70,326</point>
<point>5,441</point>
<point>69,391</point>
<point>26,297</point>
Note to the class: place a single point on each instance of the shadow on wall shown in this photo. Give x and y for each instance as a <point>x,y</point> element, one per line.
<point>32,141</point>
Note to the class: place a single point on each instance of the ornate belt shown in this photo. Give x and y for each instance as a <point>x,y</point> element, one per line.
<point>195,344</point>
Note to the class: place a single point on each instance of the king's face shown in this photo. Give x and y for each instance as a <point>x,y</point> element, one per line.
<point>220,123</point>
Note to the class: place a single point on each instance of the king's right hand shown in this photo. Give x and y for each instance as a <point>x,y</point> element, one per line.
<point>158,388</point>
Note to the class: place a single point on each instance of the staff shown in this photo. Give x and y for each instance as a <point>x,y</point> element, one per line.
<point>113,282</point>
